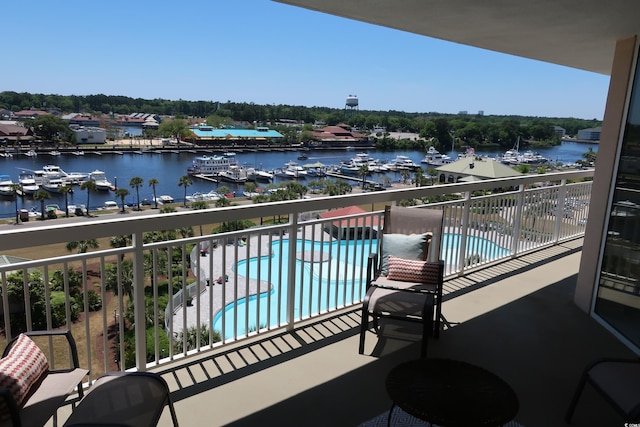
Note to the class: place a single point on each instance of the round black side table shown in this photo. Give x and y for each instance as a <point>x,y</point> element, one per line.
<point>451,393</point>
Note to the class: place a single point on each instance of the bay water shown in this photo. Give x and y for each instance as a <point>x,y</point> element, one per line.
<point>168,167</point>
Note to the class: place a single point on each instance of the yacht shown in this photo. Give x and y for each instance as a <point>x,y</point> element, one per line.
<point>6,183</point>
<point>31,153</point>
<point>55,171</point>
<point>435,158</point>
<point>211,196</point>
<point>28,182</point>
<point>161,200</point>
<point>102,183</point>
<point>259,175</point>
<point>236,174</point>
<point>402,162</point>
<point>291,170</point>
<point>211,165</point>
<point>52,185</point>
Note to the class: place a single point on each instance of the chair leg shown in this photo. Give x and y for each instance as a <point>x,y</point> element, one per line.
<point>436,324</point>
<point>172,410</point>
<point>364,322</point>
<point>576,397</point>
<point>427,325</point>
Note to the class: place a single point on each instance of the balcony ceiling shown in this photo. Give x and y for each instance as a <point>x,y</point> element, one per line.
<point>575,33</point>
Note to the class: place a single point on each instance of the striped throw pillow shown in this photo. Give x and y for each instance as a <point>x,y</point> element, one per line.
<point>411,270</point>
<point>23,367</point>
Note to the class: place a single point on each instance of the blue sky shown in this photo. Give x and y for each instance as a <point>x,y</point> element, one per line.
<point>268,53</point>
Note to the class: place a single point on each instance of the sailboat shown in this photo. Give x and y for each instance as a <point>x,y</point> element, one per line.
<point>510,157</point>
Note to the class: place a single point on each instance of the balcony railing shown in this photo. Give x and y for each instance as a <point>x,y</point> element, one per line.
<point>169,287</point>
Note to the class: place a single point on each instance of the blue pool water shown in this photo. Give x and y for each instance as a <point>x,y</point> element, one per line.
<point>321,286</point>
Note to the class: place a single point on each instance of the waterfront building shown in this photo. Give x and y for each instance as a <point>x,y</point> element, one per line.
<point>13,133</point>
<point>591,134</point>
<point>474,167</point>
<point>90,134</point>
<point>340,135</point>
<point>204,135</point>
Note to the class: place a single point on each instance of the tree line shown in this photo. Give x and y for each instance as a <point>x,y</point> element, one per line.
<point>443,130</point>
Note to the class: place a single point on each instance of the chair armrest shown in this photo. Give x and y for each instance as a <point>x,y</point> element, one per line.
<point>51,333</point>
<point>373,270</point>
<point>395,288</point>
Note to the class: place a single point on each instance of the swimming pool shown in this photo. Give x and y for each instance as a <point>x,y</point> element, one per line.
<point>336,281</point>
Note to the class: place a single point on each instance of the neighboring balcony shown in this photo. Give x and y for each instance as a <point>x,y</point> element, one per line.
<point>172,297</point>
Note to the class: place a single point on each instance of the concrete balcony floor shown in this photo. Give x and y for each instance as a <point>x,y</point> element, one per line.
<point>516,319</point>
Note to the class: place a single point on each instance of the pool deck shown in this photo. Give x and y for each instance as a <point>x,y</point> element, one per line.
<point>211,298</point>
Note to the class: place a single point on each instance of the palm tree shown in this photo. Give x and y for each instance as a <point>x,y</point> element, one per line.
<point>120,242</point>
<point>405,174</point>
<point>152,183</point>
<point>82,246</point>
<point>15,187</point>
<point>363,171</point>
<point>65,190</point>
<point>185,181</point>
<point>135,182</point>
<point>419,177</point>
<point>41,195</point>
<point>200,204</point>
<point>90,186</point>
<point>122,193</point>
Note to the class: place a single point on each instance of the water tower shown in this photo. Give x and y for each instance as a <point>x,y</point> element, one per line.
<point>352,104</point>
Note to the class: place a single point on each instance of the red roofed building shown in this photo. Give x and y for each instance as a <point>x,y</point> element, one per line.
<point>29,114</point>
<point>339,135</point>
<point>10,134</point>
<point>366,226</point>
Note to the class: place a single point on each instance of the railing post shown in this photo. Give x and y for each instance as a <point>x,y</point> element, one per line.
<point>462,259</point>
<point>517,221</point>
<point>138,301</point>
<point>291,270</point>
<point>562,202</point>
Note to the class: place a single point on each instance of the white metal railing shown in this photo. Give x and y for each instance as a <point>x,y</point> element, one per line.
<point>240,283</point>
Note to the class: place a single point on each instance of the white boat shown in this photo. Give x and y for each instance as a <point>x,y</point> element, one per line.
<point>6,155</point>
<point>259,175</point>
<point>211,196</point>
<point>161,200</point>
<point>52,185</point>
<point>531,158</point>
<point>435,158</point>
<point>349,169</point>
<point>102,183</point>
<point>210,165</point>
<point>513,157</point>
<point>54,153</point>
<point>294,170</point>
<point>55,171</point>
<point>28,182</point>
<point>78,153</point>
<point>31,153</point>
<point>402,162</point>
<point>235,174</point>
<point>5,185</point>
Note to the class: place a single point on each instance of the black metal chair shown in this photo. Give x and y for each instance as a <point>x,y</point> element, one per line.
<point>124,399</point>
<point>405,281</point>
<point>617,380</point>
